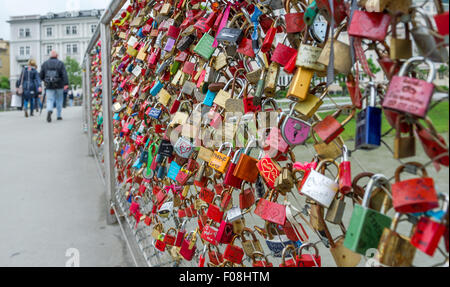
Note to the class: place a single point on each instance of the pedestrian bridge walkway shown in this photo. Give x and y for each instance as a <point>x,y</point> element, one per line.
<point>51,196</point>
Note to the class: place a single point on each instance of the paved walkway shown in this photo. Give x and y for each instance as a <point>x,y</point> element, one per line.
<point>51,196</point>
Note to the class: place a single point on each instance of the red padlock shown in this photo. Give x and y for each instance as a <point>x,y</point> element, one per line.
<point>209,234</point>
<point>294,21</point>
<point>433,143</point>
<point>427,235</point>
<point>291,262</point>
<point>369,25</point>
<point>308,260</point>
<point>229,178</point>
<point>225,233</point>
<point>188,247</point>
<point>215,257</point>
<point>233,253</point>
<point>170,239</point>
<point>345,173</point>
<point>329,128</point>
<point>215,213</point>
<point>414,195</point>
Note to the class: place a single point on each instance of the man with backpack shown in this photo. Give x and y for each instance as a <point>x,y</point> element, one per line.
<point>54,75</point>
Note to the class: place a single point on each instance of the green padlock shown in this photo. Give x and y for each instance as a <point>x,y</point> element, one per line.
<point>367,225</point>
<point>204,47</point>
<point>174,67</point>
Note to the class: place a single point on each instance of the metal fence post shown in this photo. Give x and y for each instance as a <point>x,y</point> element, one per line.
<point>108,152</point>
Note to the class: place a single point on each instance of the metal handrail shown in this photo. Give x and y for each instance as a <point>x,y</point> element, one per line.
<point>107,16</point>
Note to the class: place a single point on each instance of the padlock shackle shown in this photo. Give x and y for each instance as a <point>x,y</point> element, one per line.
<point>376,180</point>
<point>401,168</point>
<point>307,245</point>
<point>405,66</point>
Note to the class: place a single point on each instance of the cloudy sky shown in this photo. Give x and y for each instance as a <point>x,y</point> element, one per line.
<point>31,7</point>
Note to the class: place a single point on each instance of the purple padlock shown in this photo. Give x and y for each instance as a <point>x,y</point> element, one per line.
<point>294,130</point>
<point>169,44</point>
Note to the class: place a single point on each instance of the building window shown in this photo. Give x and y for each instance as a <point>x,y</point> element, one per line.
<point>441,75</point>
<point>67,30</point>
<point>74,30</point>
<point>74,49</point>
<point>27,50</point>
<point>69,49</point>
<point>48,49</point>
<point>93,27</point>
<point>49,31</point>
<point>22,51</point>
<point>24,32</point>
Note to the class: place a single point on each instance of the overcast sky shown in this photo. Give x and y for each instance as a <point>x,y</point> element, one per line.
<point>32,7</point>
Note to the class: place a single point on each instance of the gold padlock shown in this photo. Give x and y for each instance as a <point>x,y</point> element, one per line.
<point>270,83</point>
<point>298,90</point>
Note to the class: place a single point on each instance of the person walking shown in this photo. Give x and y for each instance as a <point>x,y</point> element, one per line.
<point>30,85</point>
<point>54,74</point>
<point>70,98</point>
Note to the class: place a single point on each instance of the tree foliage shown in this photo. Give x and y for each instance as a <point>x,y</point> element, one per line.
<point>4,83</point>
<point>73,71</point>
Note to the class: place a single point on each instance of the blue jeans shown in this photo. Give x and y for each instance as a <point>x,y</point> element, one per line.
<point>55,96</point>
<point>25,104</point>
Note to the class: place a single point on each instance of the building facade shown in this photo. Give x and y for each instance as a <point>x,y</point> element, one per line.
<point>4,58</point>
<point>35,36</point>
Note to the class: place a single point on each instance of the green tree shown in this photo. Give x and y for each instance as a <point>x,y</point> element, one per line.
<point>4,83</point>
<point>73,71</point>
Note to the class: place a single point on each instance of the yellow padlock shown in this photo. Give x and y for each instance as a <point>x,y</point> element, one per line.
<point>299,87</point>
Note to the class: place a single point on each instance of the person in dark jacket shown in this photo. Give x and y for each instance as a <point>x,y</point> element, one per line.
<point>31,84</point>
<point>53,73</point>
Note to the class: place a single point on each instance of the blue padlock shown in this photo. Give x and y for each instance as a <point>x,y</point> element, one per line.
<point>162,171</point>
<point>368,123</point>
<point>209,98</point>
<point>156,88</point>
<point>140,33</point>
<point>174,169</point>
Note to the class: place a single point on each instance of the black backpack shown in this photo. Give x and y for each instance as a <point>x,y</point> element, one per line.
<point>52,78</point>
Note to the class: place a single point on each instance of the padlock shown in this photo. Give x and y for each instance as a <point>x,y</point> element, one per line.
<point>329,128</point>
<point>270,210</point>
<point>414,195</point>
<point>336,210</point>
<point>282,54</point>
<point>366,225</point>
<point>214,212</point>
<point>225,233</point>
<point>246,197</point>
<point>368,123</point>
<point>271,79</point>
<point>309,106</point>
<point>308,55</point>
<point>230,179</point>
<point>308,260</point>
<point>400,49</point>
<point>233,253</point>
<point>410,95</point>
<point>404,146</point>
<point>260,263</point>
<point>394,249</point>
<point>378,198</point>
<point>250,245</point>
<point>291,262</point>
<point>320,188</point>
<point>345,172</point>
<point>269,170</point>
<point>294,21</point>
<point>170,239</point>
<point>342,56</point>
<point>209,233</point>
<point>215,257</point>
<point>238,225</point>
<point>188,247</point>
<point>204,47</point>
<point>159,243</point>
<point>294,130</point>
<point>219,161</point>
<point>299,87</point>
<point>369,25</point>
<point>246,166</point>
<point>285,181</point>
